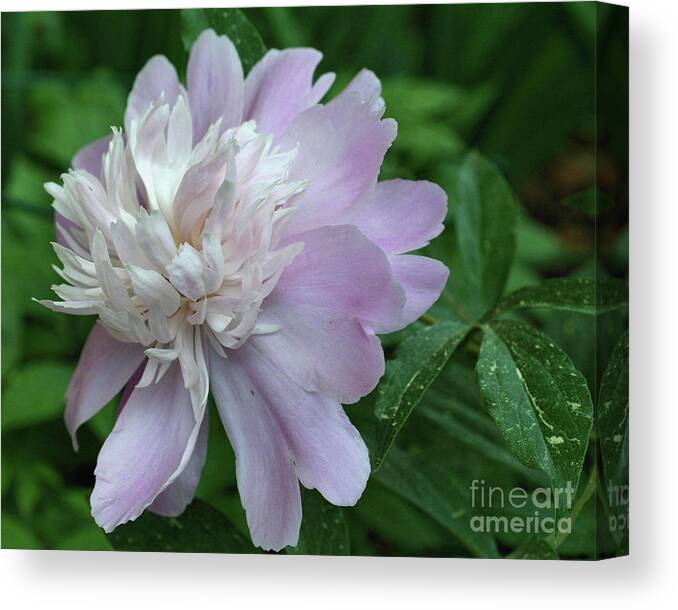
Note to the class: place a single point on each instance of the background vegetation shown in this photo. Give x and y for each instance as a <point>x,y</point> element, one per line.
<point>544,197</point>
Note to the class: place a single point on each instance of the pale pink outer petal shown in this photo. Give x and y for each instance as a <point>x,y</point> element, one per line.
<point>423,280</point>
<point>267,483</point>
<point>329,453</point>
<point>158,77</point>
<point>280,86</point>
<point>341,148</point>
<point>88,158</point>
<point>368,87</point>
<point>174,500</point>
<point>320,349</point>
<point>339,269</point>
<point>215,83</point>
<point>104,367</point>
<point>149,447</point>
<point>400,215</point>
<point>281,432</point>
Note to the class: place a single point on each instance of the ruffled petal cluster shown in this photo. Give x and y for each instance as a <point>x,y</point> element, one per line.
<point>234,238</point>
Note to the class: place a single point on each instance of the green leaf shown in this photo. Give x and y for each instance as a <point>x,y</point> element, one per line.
<point>586,493</point>
<point>417,362</point>
<point>613,415</point>
<point>439,494</point>
<point>539,400</point>
<point>395,520</point>
<point>324,530</point>
<point>485,230</point>
<point>583,538</point>
<point>449,417</point>
<point>199,529</point>
<point>581,295</point>
<point>35,393</point>
<point>229,21</point>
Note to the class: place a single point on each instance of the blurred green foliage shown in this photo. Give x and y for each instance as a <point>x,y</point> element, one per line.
<point>515,82</point>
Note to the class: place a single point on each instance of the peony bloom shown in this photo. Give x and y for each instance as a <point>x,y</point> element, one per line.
<point>234,238</point>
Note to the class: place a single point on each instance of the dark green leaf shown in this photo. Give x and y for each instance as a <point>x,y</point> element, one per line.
<point>397,521</point>
<point>439,494</point>
<point>541,403</point>
<point>485,229</point>
<point>580,540</point>
<point>613,415</point>
<point>550,96</point>
<point>392,340</point>
<point>200,529</point>
<point>449,420</point>
<point>586,539</point>
<point>585,494</point>
<point>580,295</point>
<point>229,21</point>
<point>324,530</point>
<point>34,394</point>
<point>417,362</point>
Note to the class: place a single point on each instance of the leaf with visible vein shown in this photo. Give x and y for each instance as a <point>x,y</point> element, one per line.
<point>539,400</point>
<point>463,434</point>
<point>581,295</point>
<point>485,223</point>
<point>439,494</point>
<point>417,362</point>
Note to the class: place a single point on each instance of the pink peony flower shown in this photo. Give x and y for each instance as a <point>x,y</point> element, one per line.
<point>234,237</point>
